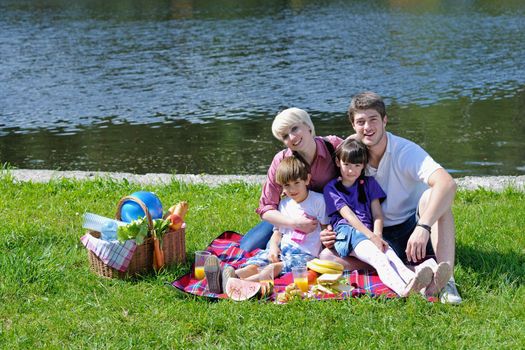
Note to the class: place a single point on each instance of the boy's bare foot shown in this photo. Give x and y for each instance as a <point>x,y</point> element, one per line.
<point>212,269</point>
<point>227,272</point>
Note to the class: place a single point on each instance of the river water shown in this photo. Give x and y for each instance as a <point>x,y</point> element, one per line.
<point>192,86</point>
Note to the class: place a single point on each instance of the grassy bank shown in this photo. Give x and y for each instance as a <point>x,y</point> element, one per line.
<point>48,297</point>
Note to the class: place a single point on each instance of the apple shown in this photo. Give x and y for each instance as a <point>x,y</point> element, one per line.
<point>312,276</point>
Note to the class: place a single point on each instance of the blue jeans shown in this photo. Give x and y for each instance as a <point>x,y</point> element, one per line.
<point>257,237</point>
<point>346,239</point>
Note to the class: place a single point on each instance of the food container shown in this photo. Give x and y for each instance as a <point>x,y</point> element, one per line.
<point>173,246</point>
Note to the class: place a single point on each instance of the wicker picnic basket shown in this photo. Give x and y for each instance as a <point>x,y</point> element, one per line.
<point>173,246</point>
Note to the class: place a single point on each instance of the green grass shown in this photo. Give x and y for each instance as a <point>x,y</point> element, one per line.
<point>49,299</point>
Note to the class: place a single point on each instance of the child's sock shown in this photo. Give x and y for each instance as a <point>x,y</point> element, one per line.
<point>402,270</point>
<point>369,253</point>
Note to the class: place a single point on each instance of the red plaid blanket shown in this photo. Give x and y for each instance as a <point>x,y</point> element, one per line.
<point>226,248</point>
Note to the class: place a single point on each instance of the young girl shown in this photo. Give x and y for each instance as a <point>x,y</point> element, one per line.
<point>290,247</point>
<point>353,204</point>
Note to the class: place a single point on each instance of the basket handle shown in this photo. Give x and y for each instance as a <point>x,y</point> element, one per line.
<point>143,206</point>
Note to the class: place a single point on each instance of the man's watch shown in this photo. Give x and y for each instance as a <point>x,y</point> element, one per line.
<point>426,227</point>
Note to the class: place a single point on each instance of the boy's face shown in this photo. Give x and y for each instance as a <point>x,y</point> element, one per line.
<point>297,189</point>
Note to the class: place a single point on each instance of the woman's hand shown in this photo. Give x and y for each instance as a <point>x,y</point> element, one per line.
<point>273,254</point>
<point>305,224</point>
<point>328,237</point>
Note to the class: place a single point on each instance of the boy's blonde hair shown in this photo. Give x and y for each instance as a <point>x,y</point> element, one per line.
<point>291,169</point>
<point>291,116</point>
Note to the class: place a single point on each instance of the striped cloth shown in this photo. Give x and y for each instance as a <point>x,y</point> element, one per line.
<point>226,248</point>
<point>112,253</point>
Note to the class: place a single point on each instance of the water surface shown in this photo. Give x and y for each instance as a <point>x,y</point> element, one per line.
<point>192,86</point>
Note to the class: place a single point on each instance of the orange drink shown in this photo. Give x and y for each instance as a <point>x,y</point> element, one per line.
<point>199,272</point>
<point>301,283</point>
<point>200,259</point>
<point>300,277</point>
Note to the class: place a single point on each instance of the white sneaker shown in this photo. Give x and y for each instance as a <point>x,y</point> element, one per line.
<point>450,294</point>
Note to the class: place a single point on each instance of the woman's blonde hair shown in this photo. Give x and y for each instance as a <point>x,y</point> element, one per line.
<point>284,120</point>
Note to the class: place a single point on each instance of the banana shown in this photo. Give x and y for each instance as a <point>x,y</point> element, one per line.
<point>328,264</point>
<point>321,269</point>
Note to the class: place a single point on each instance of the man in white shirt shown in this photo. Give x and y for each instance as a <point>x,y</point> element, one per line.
<point>420,193</point>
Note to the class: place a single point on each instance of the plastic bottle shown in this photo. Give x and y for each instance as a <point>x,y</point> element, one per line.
<point>109,231</point>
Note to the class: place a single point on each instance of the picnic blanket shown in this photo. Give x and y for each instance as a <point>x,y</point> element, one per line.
<point>112,253</point>
<point>226,248</point>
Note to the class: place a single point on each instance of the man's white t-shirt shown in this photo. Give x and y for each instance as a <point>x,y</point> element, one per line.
<point>403,174</point>
<point>312,206</point>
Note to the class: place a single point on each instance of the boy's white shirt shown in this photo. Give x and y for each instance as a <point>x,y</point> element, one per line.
<point>314,206</point>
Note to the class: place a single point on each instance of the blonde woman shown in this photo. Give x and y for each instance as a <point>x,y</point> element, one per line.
<point>294,128</point>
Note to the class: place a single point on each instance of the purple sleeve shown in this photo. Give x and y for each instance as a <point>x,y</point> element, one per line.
<point>374,191</point>
<point>333,198</point>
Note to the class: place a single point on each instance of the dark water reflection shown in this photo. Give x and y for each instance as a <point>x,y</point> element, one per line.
<point>468,138</point>
<point>192,86</point>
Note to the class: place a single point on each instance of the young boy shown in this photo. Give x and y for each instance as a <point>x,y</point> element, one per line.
<point>288,247</point>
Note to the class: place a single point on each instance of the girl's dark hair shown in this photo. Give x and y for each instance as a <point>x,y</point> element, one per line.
<point>354,151</point>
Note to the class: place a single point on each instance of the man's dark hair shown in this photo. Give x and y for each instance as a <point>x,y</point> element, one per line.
<point>366,100</point>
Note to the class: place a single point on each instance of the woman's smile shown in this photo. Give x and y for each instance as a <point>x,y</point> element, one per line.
<point>295,139</point>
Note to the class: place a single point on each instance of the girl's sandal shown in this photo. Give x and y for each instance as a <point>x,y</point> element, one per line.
<point>422,279</point>
<point>442,274</point>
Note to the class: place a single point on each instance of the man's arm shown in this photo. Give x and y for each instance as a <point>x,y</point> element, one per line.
<point>443,190</point>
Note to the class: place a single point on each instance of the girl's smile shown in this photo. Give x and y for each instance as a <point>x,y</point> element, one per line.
<point>350,172</point>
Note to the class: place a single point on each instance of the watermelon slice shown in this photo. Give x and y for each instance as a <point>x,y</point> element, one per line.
<point>240,290</point>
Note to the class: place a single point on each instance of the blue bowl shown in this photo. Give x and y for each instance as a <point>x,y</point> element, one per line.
<point>131,211</point>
